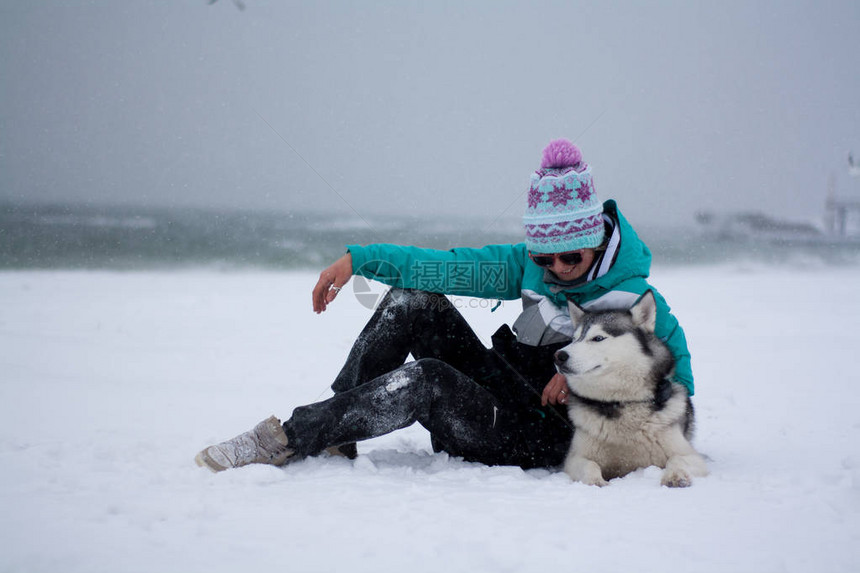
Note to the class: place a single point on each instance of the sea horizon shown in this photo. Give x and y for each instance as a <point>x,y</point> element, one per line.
<point>36,235</point>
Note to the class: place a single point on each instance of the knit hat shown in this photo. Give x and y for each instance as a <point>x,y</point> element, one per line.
<point>563,212</point>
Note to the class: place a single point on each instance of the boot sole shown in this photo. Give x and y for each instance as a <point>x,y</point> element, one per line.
<point>204,461</point>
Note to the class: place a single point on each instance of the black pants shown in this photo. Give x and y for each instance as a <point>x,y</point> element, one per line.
<point>480,404</point>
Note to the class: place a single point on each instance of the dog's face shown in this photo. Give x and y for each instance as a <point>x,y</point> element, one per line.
<point>612,352</point>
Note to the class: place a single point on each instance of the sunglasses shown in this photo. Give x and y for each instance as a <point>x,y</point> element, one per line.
<point>548,260</point>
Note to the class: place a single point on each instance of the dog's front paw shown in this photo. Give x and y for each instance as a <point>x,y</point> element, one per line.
<point>676,478</point>
<point>680,469</point>
<point>585,471</point>
<point>596,480</point>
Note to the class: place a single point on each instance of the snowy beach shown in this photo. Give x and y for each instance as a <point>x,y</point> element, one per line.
<point>175,175</point>
<point>111,382</point>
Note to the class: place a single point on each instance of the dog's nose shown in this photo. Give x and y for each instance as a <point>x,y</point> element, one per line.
<point>561,357</point>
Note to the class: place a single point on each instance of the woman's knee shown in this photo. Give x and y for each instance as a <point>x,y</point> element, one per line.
<point>434,375</point>
<point>432,367</point>
<point>415,300</point>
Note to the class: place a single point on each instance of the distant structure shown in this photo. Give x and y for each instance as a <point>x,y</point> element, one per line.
<point>841,220</point>
<point>838,209</point>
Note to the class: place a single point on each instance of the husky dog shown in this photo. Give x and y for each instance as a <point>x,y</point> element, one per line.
<point>626,412</point>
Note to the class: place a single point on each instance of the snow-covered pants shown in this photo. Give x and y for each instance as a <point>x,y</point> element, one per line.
<point>478,403</point>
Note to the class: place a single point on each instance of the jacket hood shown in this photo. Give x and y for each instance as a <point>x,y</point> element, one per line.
<point>633,260</point>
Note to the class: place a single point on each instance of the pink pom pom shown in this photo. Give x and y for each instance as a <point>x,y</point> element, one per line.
<point>560,153</point>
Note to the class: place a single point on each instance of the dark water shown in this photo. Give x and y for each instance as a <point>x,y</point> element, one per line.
<point>127,238</point>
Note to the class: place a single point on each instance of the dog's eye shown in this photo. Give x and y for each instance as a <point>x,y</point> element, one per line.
<point>597,338</point>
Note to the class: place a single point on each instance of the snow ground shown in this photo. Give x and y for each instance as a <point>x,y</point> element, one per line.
<point>111,382</point>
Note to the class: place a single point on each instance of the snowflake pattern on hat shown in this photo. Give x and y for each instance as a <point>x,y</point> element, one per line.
<point>559,196</point>
<point>584,192</point>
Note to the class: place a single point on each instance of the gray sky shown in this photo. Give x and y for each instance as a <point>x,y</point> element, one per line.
<point>428,107</point>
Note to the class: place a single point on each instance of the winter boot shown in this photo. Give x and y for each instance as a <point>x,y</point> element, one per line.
<point>265,444</point>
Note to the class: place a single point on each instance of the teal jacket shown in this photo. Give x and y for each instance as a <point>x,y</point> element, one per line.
<point>506,272</point>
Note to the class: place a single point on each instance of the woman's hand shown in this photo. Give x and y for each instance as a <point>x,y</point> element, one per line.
<point>331,281</point>
<point>556,391</point>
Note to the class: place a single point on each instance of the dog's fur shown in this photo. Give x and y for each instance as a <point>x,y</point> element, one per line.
<point>626,412</point>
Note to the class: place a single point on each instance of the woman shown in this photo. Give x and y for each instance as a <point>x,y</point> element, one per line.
<point>498,406</point>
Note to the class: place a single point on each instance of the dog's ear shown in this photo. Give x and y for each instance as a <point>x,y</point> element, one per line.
<point>645,312</point>
<point>576,312</point>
